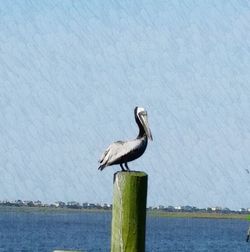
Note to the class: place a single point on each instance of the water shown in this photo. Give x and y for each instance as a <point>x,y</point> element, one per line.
<point>34,231</point>
<point>166,234</point>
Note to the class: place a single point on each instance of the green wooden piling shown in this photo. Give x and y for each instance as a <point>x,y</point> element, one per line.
<point>67,250</point>
<point>129,212</point>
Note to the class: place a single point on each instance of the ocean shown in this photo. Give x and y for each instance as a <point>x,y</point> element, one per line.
<point>91,231</point>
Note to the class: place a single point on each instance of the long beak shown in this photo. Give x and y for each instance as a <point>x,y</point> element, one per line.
<point>144,120</point>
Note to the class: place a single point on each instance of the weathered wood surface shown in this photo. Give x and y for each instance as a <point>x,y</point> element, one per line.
<point>129,212</point>
<point>58,250</point>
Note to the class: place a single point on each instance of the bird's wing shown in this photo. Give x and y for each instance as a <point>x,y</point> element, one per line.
<point>117,150</point>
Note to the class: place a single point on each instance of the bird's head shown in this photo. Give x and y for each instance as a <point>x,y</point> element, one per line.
<point>142,116</point>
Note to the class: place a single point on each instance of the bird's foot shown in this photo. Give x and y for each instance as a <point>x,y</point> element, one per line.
<point>122,167</point>
<point>126,165</point>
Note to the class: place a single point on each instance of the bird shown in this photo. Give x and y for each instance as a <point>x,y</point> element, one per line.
<point>122,152</point>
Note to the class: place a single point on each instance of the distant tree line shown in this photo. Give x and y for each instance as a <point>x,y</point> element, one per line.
<point>58,204</point>
<point>105,206</point>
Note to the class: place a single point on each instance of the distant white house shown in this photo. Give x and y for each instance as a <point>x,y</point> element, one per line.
<point>106,206</point>
<point>91,205</point>
<point>37,203</point>
<point>73,204</point>
<point>216,208</point>
<point>242,210</point>
<point>178,207</point>
<point>28,203</point>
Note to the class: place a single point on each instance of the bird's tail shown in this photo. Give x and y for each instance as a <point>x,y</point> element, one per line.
<point>101,167</point>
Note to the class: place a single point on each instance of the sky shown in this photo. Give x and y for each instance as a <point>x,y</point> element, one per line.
<point>71,73</point>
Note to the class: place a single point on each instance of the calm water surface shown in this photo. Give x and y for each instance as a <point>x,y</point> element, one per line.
<point>20,231</point>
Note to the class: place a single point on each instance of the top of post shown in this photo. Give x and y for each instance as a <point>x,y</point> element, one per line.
<point>129,174</point>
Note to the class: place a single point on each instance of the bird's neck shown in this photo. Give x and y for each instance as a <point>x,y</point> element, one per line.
<point>142,132</point>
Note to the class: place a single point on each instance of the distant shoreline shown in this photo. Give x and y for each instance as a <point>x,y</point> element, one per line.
<point>150,213</point>
<point>201,215</point>
<point>42,209</point>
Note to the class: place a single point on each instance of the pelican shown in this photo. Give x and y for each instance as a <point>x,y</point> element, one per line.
<point>122,152</point>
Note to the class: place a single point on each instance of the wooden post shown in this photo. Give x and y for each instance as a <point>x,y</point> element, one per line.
<point>129,212</point>
<point>67,250</point>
